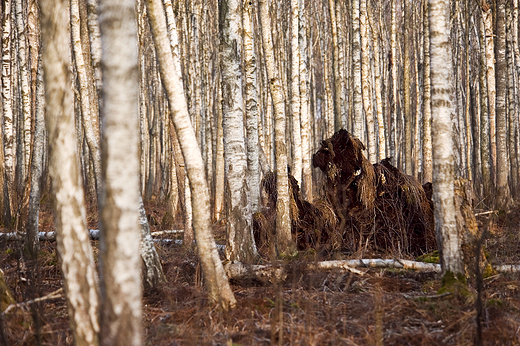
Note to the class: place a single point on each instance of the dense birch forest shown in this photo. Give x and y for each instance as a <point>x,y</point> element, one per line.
<point>214,115</point>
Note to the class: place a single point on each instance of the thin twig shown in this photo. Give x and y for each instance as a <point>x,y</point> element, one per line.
<point>24,305</point>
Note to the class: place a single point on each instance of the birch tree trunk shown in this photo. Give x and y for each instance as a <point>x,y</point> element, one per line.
<point>32,240</point>
<point>88,101</point>
<point>7,103</point>
<point>407,91</point>
<point>491,86</point>
<point>76,258</point>
<point>285,242</point>
<point>120,274</point>
<point>503,197</point>
<point>356,71</point>
<point>366,80</point>
<point>22,54</point>
<point>485,156</point>
<point>216,280</point>
<point>240,244</point>
<point>304,100</point>
<point>443,164</point>
<point>295,89</point>
<point>427,107</point>
<point>251,104</point>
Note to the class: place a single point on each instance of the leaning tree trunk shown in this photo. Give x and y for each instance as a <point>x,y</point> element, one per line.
<point>443,163</point>
<point>240,244</point>
<point>77,261</point>
<point>216,281</point>
<point>120,275</point>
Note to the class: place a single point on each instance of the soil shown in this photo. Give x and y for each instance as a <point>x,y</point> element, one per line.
<point>381,307</point>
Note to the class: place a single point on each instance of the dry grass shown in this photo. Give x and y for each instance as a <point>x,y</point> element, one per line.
<point>311,308</point>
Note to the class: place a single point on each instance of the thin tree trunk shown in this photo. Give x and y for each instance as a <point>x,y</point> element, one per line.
<point>443,164</point>
<point>407,92</point>
<point>251,103</point>
<point>366,81</point>
<point>356,71</point>
<point>283,222</point>
<point>503,193</point>
<point>304,108</point>
<point>491,86</point>
<point>216,280</point>
<point>295,88</point>
<point>32,241</point>
<point>427,107</point>
<point>76,257</point>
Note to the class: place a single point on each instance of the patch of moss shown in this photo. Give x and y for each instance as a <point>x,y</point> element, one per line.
<point>455,284</point>
<point>432,257</point>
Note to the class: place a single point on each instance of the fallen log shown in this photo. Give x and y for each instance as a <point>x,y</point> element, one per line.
<point>51,236</point>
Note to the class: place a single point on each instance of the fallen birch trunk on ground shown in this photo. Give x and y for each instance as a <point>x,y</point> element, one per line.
<point>51,236</point>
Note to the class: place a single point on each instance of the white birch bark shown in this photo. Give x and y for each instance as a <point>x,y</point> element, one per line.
<point>407,94</point>
<point>427,110</point>
<point>336,78</point>
<point>240,244</point>
<point>95,41</point>
<point>252,116</point>
<point>491,86</point>
<point>216,280</point>
<point>32,241</point>
<point>443,163</point>
<point>76,258</point>
<point>356,71</point>
<point>393,60</point>
<point>283,222</point>
<point>120,274</point>
<point>306,138</point>
<point>502,184</point>
<point>22,54</point>
<point>366,81</point>
<point>295,100</point>
<point>7,104</point>
<point>381,153</point>
<point>89,111</point>
<point>153,273</point>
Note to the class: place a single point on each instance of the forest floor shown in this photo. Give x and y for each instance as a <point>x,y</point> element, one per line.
<point>380,307</point>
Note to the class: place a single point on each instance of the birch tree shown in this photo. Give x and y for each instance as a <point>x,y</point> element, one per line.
<point>285,244</point>
<point>215,278</point>
<point>76,258</point>
<point>240,244</point>
<point>121,293</point>
<point>443,165</point>
<point>502,186</point>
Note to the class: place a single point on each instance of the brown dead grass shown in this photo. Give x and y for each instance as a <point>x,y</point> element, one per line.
<point>318,308</point>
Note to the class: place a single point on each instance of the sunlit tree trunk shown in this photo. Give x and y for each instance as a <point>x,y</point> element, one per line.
<point>336,78</point>
<point>23,61</point>
<point>491,86</point>
<point>443,163</point>
<point>393,61</point>
<point>283,222</point>
<point>304,99</point>
<point>356,71</point>
<point>88,101</point>
<point>216,280</point>
<point>366,81</point>
<point>484,118</point>
<point>120,275</point>
<point>240,244</point>
<point>76,258</point>
<point>95,40</point>
<point>427,110</point>
<point>407,107</point>
<point>295,88</point>
<point>7,103</point>
<point>32,240</point>
<point>251,104</point>
<point>503,196</point>
<point>381,153</point>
